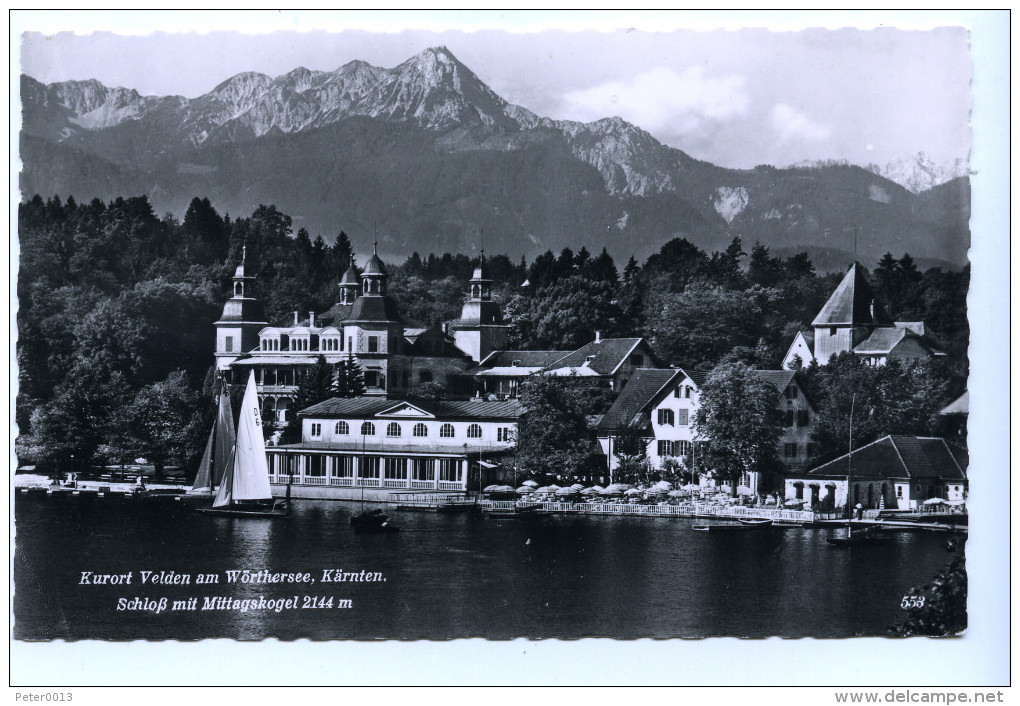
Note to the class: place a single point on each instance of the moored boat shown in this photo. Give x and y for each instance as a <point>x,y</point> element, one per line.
<point>244,490</point>
<point>755,521</point>
<point>858,537</point>
<point>724,527</point>
<point>372,521</point>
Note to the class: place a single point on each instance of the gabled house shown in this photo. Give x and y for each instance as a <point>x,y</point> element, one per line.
<point>895,472</point>
<point>663,404</point>
<point>501,372</point>
<point>611,360</point>
<point>852,320</point>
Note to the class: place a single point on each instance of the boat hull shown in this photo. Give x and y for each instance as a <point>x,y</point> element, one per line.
<point>227,512</point>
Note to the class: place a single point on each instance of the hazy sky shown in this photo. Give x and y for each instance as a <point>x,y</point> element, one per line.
<point>735,98</point>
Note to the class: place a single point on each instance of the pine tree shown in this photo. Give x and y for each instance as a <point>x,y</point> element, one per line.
<point>315,387</point>
<point>350,379</point>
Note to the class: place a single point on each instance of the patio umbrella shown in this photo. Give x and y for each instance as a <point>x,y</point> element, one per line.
<point>632,491</point>
<point>491,489</point>
<point>597,488</point>
<point>691,486</point>
<point>530,483</point>
<point>503,489</point>
<point>678,494</point>
<point>933,501</point>
<point>525,490</point>
<point>744,490</point>
<point>577,486</point>
<point>664,485</point>
<point>589,491</point>
<point>564,492</point>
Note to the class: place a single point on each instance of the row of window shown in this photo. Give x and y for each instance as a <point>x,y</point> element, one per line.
<point>394,430</point>
<point>315,465</point>
<point>666,416</point>
<point>686,391</point>
<point>675,448</point>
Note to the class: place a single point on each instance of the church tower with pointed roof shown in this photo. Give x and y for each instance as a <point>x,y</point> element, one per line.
<point>237,330</point>
<point>480,328</point>
<point>849,316</point>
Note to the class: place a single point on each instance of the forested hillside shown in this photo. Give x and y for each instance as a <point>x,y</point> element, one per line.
<point>116,306</point>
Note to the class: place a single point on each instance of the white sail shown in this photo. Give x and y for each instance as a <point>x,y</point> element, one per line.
<point>203,479</point>
<point>249,476</point>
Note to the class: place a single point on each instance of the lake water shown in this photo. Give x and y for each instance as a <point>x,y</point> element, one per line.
<point>449,576</point>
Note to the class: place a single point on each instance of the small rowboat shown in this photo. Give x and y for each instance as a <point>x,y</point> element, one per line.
<point>870,535</point>
<point>755,521</point>
<point>722,527</point>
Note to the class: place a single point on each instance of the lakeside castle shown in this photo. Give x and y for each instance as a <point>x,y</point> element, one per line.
<point>364,324</point>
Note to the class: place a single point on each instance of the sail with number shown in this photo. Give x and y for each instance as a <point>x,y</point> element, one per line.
<point>218,449</point>
<point>247,478</point>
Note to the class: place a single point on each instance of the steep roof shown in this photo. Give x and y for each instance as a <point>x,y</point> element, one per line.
<point>639,392</point>
<point>606,355</point>
<point>372,309</point>
<point>336,313</point>
<point>852,304</point>
<point>779,378</point>
<point>698,377</point>
<point>243,309</point>
<point>898,457</point>
<point>522,359</point>
<point>882,340</point>
<point>361,407</point>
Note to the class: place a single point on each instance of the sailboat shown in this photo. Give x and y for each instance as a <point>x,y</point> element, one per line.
<point>244,489</point>
<point>371,520</point>
<point>867,535</point>
<point>217,455</point>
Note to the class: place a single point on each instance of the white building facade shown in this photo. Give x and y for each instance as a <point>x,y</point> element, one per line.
<point>376,447</point>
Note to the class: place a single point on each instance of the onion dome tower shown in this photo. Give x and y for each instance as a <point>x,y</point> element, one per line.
<point>237,331</point>
<point>349,284</point>
<point>480,328</point>
<point>374,330</point>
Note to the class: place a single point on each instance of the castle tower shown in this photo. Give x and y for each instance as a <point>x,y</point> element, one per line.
<point>480,328</point>
<point>848,317</point>
<point>374,330</point>
<point>237,331</point>
<point>349,284</point>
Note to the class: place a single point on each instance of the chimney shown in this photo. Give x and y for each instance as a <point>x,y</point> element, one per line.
<point>311,318</point>
<point>295,318</point>
<point>598,336</point>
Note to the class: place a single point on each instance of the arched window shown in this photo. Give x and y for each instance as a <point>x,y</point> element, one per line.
<point>342,429</point>
<point>474,431</point>
<point>420,430</point>
<point>446,431</point>
<point>368,429</point>
<point>392,429</point>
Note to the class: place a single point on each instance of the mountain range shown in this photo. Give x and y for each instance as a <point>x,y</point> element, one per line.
<point>432,159</point>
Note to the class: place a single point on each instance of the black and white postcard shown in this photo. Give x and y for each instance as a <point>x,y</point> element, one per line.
<point>436,334</point>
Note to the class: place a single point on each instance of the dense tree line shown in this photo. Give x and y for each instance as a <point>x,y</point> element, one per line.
<point>111,300</point>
